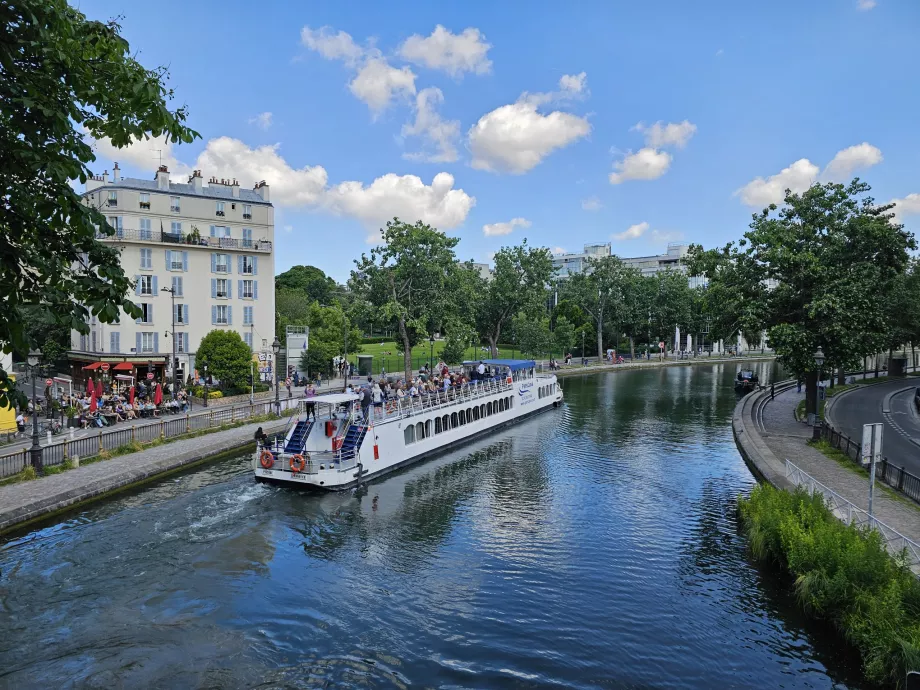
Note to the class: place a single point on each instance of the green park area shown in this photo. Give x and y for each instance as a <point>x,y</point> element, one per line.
<point>390,359</point>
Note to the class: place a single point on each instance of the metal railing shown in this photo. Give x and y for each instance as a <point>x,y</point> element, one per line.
<point>896,477</point>
<point>160,236</point>
<point>897,544</point>
<point>409,406</point>
<point>170,426</point>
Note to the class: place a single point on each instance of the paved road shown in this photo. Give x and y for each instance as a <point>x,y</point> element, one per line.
<point>901,439</point>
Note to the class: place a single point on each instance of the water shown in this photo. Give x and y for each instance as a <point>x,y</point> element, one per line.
<point>592,546</point>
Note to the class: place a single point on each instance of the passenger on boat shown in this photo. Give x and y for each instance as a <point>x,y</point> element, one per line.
<point>261,438</point>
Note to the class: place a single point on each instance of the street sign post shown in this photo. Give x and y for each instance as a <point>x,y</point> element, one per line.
<point>49,382</point>
<point>104,366</point>
<point>871,453</point>
<point>150,376</point>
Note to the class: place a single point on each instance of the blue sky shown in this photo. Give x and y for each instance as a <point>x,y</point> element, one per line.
<point>804,90</point>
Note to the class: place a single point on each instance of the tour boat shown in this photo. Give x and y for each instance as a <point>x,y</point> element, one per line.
<point>335,448</point>
<point>746,380</point>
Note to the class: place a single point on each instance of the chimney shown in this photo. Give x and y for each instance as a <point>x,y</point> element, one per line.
<point>196,181</point>
<point>116,173</point>
<point>235,189</point>
<point>262,190</point>
<point>105,177</point>
<point>163,178</point>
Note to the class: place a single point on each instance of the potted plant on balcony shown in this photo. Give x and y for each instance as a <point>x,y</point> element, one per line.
<point>194,237</point>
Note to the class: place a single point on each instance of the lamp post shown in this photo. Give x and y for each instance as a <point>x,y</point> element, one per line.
<point>175,368</point>
<point>205,367</point>
<point>819,361</point>
<point>430,353</point>
<point>34,359</point>
<point>276,348</point>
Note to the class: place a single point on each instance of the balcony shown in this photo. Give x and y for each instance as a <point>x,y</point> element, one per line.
<point>144,204</point>
<point>112,202</point>
<point>247,216</point>
<point>174,209</point>
<point>158,237</point>
<point>219,213</point>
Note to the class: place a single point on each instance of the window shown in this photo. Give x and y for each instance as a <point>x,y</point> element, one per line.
<point>175,227</point>
<point>219,286</point>
<point>145,285</point>
<point>146,232</point>
<point>147,342</point>
<point>247,211</point>
<point>176,261</point>
<point>93,335</point>
<point>220,263</point>
<point>146,258</point>
<point>174,204</point>
<point>84,343</point>
<point>437,425</point>
<point>409,434</point>
<point>181,342</point>
<point>221,314</point>
<point>247,338</point>
<point>114,341</point>
<point>145,200</point>
<point>220,208</point>
<point>117,222</point>
<point>113,198</point>
<point>180,314</point>
<point>177,286</point>
<point>246,265</point>
<point>220,231</point>
<point>246,289</point>
<point>247,238</point>
<point>247,317</point>
<point>147,312</point>
<point>419,431</point>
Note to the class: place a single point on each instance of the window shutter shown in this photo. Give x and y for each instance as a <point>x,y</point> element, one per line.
<point>239,289</point>
<point>179,285</point>
<point>213,231</point>
<point>255,265</point>
<point>184,261</point>
<point>229,315</point>
<point>112,342</point>
<point>213,257</point>
<point>168,260</point>
<point>138,348</point>
<point>156,341</point>
<point>213,289</point>
<point>156,290</point>
<point>185,313</point>
<point>255,289</point>
<point>239,265</point>
<point>185,341</point>
<point>137,285</point>
<point>174,285</point>
<point>213,315</point>
<point>150,313</point>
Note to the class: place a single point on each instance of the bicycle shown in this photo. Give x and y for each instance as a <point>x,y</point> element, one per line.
<point>54,426</point>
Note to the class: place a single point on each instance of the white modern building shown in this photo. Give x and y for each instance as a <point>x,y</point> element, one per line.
<point>201,257</point>
<point>674,259</point>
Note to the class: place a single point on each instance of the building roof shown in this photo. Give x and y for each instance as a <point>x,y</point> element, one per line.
<point>221,192</point>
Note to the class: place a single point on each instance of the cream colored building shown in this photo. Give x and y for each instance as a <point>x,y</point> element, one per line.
<point>211,245</point>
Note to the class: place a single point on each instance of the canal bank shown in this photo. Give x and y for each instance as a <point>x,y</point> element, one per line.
<point>578,370</point>
<point>28,501</point>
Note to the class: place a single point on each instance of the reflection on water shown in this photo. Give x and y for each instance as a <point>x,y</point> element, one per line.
<point>592,546</point>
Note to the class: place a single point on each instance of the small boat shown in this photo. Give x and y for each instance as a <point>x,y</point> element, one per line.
<point>746,380</point>
<point>329,445</point>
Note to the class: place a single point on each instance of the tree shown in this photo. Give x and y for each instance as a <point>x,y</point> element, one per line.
<point>63,78</point>
<point>453,350</point>
<point>227,356</point>
<point>407,279</point>
<point>532,335</point>
<point>601,291</point>
<point>564,335</point>
<point>671,304</point>
<point>330,332</point>
<point>816,272</point>
<point>44,331</point>
<point>518,284</point>
<point>310,282</point>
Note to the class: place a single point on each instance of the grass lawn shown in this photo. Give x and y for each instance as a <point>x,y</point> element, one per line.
<point>394,361</point>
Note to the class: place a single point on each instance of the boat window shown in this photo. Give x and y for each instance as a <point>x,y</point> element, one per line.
<point>437,425</point>
<point>428,429</point>
<point>540,392</point>
<point>454,423</point>
<point>419,431</point>
<point>409,433</point>
<point>476,412</point>
<point>510,404</point>
<point>446,422</point>
<point>488,409</point>
<point>482,411</point>
<point>501,404</point>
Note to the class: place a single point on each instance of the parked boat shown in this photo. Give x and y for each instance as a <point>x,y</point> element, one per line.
<point>746,380</point>
<point>329,445</point>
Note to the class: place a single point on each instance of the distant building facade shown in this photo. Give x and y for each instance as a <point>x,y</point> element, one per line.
<point>674,259</point>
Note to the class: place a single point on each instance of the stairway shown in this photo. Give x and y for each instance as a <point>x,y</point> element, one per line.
<point>298,439</point>
<point>351,444</point>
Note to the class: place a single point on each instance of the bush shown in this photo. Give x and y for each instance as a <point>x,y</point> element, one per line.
<point>843,574</point>
<point>214,395</point>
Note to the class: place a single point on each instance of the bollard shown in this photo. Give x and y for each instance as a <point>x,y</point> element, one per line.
<point>100,441</point>
<point>188,423</point>
<point>162,431</point>
<point>76,461</point>
<point>48,437</point>
<point>71,433</point>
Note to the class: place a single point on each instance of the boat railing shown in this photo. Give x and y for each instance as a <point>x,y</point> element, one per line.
<point>415,405</point>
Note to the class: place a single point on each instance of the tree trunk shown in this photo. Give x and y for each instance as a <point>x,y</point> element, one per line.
<point>865,367</point>
<point>875,358</point>
<point>407,351</point>
<point>600,340</point>
<point>842,376</point>
<point>632,348</point>
<point>811,392</point>
<point>913,357</point>
<point>493,347</point>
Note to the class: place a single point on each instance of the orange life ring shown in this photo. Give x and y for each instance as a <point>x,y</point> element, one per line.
<point>266,459</point>
<point>297,463</point>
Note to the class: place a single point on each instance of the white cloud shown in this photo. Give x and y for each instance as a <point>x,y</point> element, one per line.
<point>848,160</point>
<point>515,138</point>
<point>496,229</point>
<point>762,192</point>
<point>556,251</point>
<point>452,53</point>
<point>591,204</point>
<point>644,164</point>
<point>377,82</point>
<point>865,5</point>
<point>633,232</point>
<point>145,154</point>
<point>339,46</point>
<point>906,206</point>
<point>665,236</point>
<point>429,125</point>
<point>262,120</point>
<point>660,135</point>
<point>574,83</point>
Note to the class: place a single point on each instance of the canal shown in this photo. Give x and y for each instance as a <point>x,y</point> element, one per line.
<point>592,546</point>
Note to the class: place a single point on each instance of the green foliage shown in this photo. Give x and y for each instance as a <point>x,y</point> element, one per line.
<point>532,335</point>
<point>308,282</point>
<point>227,356</point>
<point>842,574</point>
<point>454,349</point>
<point>519,282</point>
<point>564,335</point>
<point>330,332</point>
<point>63,78</point>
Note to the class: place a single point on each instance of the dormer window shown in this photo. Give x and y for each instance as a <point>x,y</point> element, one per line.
<point>113,198</point>
<point>220,208</point>
<point>247,211</point>
<point>144,200</point>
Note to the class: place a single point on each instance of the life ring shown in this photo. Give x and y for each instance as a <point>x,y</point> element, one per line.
<point>297,463</point>
<point>266,459</point>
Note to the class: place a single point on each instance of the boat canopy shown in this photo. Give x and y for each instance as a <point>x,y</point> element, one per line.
<point>513,364</point>
<point>332,398</point>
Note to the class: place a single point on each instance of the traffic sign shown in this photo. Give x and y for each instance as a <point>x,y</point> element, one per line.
<point>104,366</point>
<point>661,345</point>
<point>49,382</point>
<point>150,376</point>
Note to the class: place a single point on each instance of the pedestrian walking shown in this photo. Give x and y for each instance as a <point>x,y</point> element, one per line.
<point>772,391</point>
<point>799,383</point>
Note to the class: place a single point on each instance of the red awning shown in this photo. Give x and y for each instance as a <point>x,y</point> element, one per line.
<point>91,367</point>
<point>123,366</point>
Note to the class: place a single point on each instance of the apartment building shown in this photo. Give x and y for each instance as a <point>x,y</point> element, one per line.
<point>674,259</point>
<point>201,257</point>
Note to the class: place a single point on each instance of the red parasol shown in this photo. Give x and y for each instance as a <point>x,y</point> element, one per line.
<point>158,395</point>
<point>90,389</point>
<point>92,399</point>
<point>131,396</point>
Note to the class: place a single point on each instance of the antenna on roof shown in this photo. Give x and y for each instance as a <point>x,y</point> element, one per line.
<point>159,153</point>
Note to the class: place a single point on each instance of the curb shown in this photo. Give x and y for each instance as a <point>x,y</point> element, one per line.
<point>886,403</point>
<point>759,458</point>
<point>603,368</point>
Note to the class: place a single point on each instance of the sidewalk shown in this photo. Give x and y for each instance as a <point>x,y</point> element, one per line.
<point>787,439</point>
<point>26,501</point>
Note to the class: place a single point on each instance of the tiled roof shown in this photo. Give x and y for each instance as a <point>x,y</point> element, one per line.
<point>208,192</point>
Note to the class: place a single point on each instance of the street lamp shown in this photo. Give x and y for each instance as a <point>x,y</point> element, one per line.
<point>205,367</point>
<point>819,361</point>
<point>175,368</point>
<point>276,348</point>
<point>34,359</point>
<point>430,353</point>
